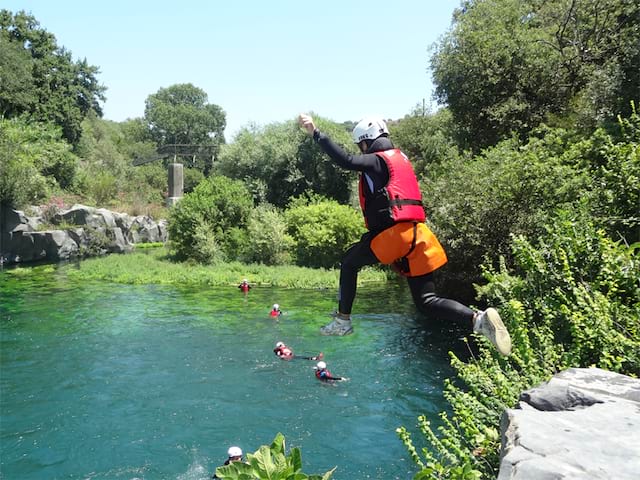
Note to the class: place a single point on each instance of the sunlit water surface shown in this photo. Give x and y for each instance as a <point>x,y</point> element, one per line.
<point>109,381</point>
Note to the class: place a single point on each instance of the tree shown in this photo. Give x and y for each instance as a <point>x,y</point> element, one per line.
<point>279,162</point>
<point>180,115</point>
<point>268,240</point>
<point>204,224</point>
<point>42,79</point>
<point>34,160</point>
<point>17,89</point>
<point>511,189</point>
<point>322,230</point>
<point>426,139</point>
<point>508,65</point>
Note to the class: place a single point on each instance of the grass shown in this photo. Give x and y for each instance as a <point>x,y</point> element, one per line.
<point>154,267</point>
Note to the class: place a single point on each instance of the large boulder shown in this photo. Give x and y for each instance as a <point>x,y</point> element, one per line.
<point>17,221</point>
<point>582,424</point>
<point>87,231</point>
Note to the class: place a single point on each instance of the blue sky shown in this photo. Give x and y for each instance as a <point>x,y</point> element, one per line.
<point>261,61</point>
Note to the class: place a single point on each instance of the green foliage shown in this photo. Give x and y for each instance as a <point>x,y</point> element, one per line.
<point>135,141</point>
<point>34,162</point>
<point>206,249</point>
<point>612,160</point>
<point>100,186</point>
<point>107,150</point>
<point>267,239</point>
<point>42,79</point>
<point>98,148</point>
<point>157,268</point>
<point>191,178</point>
<point>426,138</point>
<point>506,66</point>
<point>199,223</point>
<point>17,89</point>
<point>322,230</point>
<point>270,463</point>
<point>279,162</point>
<point>180,115</point>
<point>476,205</point>
<point>97,243</point>
<point>582,286</point>
<point>572,300</point>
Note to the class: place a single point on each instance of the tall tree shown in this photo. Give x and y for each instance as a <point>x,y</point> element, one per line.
<point>508,65</point>
<point>41,79</point>
<point>427,138</point>
<point>278,162</point>
<point>17,89</point>
<point>180,115</point>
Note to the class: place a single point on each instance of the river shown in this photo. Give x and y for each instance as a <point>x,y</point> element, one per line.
<point>111,381</point>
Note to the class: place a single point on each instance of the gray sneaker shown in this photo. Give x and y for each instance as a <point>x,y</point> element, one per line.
<point>338,326</point>
<point>489,324</point>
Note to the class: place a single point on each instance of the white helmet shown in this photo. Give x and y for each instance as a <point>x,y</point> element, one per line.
<point>276,306</point>
<point>321,365</point>
<point>369,128</point>
<point>279,344</point>
<point>234,452</point>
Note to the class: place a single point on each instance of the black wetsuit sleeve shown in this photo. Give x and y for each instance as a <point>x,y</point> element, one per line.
<point>368,162</point>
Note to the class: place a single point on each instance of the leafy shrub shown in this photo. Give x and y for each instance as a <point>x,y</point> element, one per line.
<point>476,206</point>
<point>322,230</point>
<point>101,187</point>
<point>268,241</point>
<point>206,249</point>
<point>612,160</point>
<point>572,300</point>
<point>270,463</point>
<point>97,243</point>
<point>215,207</point>
<point>192,177</point>
<point>34,160</point>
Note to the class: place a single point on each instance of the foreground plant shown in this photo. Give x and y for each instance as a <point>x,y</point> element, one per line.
<point>270,463</point>
<point>574,301</point>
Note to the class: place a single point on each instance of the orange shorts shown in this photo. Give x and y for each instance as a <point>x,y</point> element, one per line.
<point>393,247</point>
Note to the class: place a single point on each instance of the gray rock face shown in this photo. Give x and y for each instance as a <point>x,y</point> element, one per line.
<point>582,424</point>
<point>93,232</point>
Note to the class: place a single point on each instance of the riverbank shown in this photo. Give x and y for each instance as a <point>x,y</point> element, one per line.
<point>153,266</point>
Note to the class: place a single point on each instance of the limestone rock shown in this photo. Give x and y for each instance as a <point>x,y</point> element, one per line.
<point>88,231</point>
<point>582,424</point>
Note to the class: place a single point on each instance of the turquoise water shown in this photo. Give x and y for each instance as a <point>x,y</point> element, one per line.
<point>109,381</point>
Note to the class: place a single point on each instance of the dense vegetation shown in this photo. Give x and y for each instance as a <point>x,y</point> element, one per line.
<point>530,173</point>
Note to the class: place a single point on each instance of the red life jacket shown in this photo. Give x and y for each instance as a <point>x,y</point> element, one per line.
<point>244,287</point>
<point>275,313</point>
<point>320,372</point>
<point>399,200</point>
<point>284,352</point>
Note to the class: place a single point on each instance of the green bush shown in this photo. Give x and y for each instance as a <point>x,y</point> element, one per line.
<point>192,177</point>
<point>612,160</point>
<point>34,161</point>
<point>267,239</point>
<point>206,249</point>
<point>215,207</point>
<point>101,186</point>
<point>511,189</point>
<point>322,230</point>
<point>571,300</point>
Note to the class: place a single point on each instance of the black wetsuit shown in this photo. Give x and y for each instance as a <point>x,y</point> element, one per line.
<point>360,254</point>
